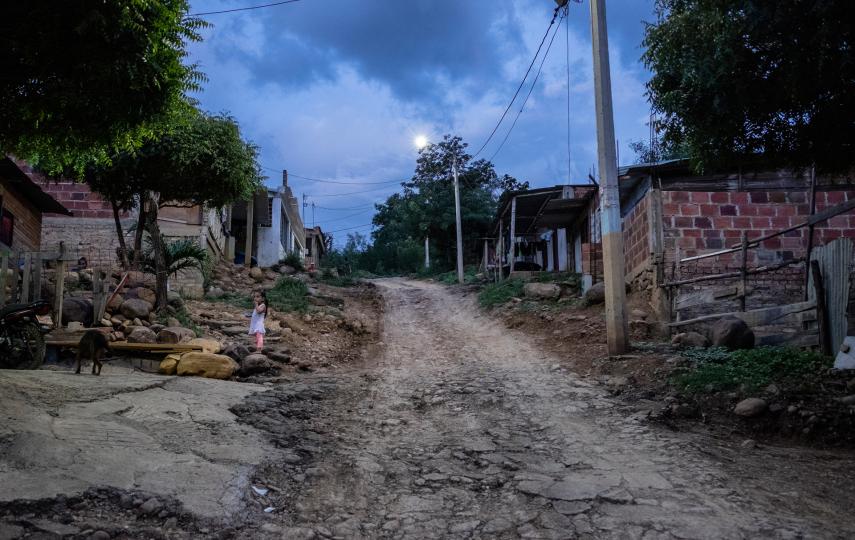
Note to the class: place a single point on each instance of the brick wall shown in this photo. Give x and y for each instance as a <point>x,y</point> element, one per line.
<point>77,197</point>
<point>636,237</point>
<point>93,238</point>
<point>26,234</point>
<point>592,260</point>
<point>701,222</point>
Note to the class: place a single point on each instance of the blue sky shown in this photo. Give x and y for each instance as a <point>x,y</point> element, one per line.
<point>339,89</point>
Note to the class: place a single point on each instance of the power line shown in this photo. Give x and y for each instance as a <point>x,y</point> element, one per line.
<point>530,90</point>
<point>349,193</point>
<point>364,207</point>
<point>242,8</point>
<point>325,181</point>
<point>522,83</point>
<point>346,217</point>
<point>351,228</point>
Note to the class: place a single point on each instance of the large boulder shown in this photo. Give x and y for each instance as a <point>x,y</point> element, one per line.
<point>115,303</point>
<point>140,279</point>
<point>750,407</point>
<point>254,364</point>
<point>208,345</point>
<point>136,308</point>
<point>175,334</point>
<point>214,293</point>
<point>688,340</point>
<point>596,294</point>
<point>173,298</point>
<point>256,273</point>
<point>212,366</point>
<point>169,365</point>
<point>732,333</point>
<point>236,351</point>
<point>287,270</point>
<point>78,310</point>
<point>542,290</point>
<point>141,334</point>
<point>146,294</point>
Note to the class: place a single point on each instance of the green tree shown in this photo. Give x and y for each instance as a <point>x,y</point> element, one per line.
<point>81,79</point>
<point>736,79</point>
<point>426,209</point>
<point>200,159</point>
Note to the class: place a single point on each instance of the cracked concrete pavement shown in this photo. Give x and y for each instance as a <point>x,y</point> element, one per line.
<point>62,433</point>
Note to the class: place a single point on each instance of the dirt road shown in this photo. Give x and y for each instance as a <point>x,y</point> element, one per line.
<point>462,428</point>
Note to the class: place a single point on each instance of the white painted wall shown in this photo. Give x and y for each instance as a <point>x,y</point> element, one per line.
<point>270,248</point>
<point>562,250</point>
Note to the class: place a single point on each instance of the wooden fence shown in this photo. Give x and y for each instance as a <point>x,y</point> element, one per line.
<point>27,276</point>
<point>817,321</point>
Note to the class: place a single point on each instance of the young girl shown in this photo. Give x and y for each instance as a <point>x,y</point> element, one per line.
<point>256,324</point>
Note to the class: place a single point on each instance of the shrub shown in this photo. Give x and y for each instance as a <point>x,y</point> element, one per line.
<point>326,276</point>
<point>288,294</point>
<point>750,370</point>
<point>292,259</point>
<point>499,293</point>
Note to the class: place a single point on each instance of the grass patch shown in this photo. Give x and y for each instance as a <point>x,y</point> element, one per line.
<point>328,278</point>
<point>288,294</point>
<point>450,277</point>
<point>292,259</point>
<point>717,370</point>
<point>495,294</point>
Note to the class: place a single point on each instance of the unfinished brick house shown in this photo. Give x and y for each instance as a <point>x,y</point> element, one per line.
<point>670,213</point>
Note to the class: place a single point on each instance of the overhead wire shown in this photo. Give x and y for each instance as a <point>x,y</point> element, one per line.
<point>522,83</point>
<point>350,228</point>
<point>247,8</point>
<point>347,217</point>
<point>326,181</point>
<point>530,90</point>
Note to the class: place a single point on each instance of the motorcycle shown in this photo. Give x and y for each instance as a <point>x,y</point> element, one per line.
<point>22,331</point>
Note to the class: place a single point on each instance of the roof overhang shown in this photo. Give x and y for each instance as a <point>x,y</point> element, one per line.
<point>553,207</point>
<point>22,183</point>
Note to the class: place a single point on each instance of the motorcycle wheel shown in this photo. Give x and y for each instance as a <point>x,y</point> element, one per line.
<point>28,347</point>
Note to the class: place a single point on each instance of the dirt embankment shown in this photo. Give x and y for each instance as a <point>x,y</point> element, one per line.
<point>803,414</point>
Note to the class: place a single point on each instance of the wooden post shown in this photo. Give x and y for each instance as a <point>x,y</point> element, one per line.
<point>617,331</point>
<point>513,233</point>
<point>555,264</point>
<point>821,309</point>
<point>59,289</point>
<point>744,271</point>
<point>37,277</point>
<point>810,229</point>
<point>4,266</point>
<point>13,285</point>
<point>675,273</point>
<point>25,283</point>
<point>427,251</point>
<point>500,247</point>
<point>459,226</point>
<point>250,218</point>
<point>486,256</point>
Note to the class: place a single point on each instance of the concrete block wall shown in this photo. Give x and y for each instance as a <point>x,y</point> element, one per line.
<point>636,237</point>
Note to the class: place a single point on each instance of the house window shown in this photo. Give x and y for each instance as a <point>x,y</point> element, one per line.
<point>7,227</point>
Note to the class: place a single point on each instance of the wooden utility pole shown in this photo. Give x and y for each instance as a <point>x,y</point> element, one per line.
<point>457,216</point>
<point>613,264</point>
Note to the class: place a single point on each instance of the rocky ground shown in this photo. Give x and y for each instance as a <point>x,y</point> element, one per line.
<point>453,425</point>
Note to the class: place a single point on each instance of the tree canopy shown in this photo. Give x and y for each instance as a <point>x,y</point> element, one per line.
<point>751,78</point>
<point>425,208</point>
<point>81,79</point>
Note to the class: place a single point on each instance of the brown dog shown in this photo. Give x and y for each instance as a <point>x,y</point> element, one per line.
<point>92,345</point>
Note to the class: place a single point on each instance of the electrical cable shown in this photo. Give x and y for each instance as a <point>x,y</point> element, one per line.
<point>242,9</point>
<point>522,83</point>
<point>350,193</point>
<point>530,90</point>
<point>347,217</point>
<point>324,181</point>
<point>363,207</point>
<point>350,228</point>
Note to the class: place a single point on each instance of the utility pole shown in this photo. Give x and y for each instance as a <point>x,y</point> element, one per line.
<point>427,252</point>
<point>613,264</point>
<point>457,214</point>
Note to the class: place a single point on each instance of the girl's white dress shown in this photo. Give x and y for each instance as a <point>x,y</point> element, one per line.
<point>256,324</point>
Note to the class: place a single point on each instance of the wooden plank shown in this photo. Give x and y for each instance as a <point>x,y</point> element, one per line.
<point>792,339</point>
<point>756,317</point>
<point>37,277</point>
<point>834,264</point>
<point>743,270</point>
<point>59,292</point>
<point>513,233</point>
<point>709,295</point>
<point>13,283</point>
<point>25,283</point>
<point>4,265</point>
<point>728,275</point>
<point>821,310</point>
<point>137,347</point>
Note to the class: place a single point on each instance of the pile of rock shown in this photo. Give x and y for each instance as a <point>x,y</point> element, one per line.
<point>130,313</point>
<point>729,332</point>
<point>231,278</point>
<point>223,363</point>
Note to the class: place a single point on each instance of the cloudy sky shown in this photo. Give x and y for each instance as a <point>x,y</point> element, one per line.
<point>338,89</point>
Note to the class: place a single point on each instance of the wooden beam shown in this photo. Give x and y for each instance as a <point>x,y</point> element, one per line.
<point>756,317</point>
<point>513,233</point>
<point>813,220</point>
<point>709,295</point>
<point>37,276</point>
<point>59,291</point>
<point>821,309</point>
<point>728,275</point>
<point>159,348</point>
